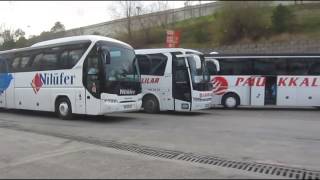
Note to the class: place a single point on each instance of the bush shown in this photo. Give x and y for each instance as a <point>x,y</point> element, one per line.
<point>282,19</point>
<point>237,20</point>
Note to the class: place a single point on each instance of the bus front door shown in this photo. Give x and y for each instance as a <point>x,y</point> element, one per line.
<point>181,87</point>
<point>257,91</point>
<point>92,84</point>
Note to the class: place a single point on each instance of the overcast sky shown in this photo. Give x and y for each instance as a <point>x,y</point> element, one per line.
<point>36,16</point>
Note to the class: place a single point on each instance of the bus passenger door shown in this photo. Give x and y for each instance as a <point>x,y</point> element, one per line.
<point>181,87</point>
<point>92,78</point>
<point>257,90</point>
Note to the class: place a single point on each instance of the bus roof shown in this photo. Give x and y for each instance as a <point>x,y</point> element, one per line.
<point>165,50</point>
<point>92,38</point>
<point>66,40</point>
<point>263,55</point>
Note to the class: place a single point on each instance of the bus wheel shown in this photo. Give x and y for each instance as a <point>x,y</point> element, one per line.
<point>150,104</point>
<point>63,108</point>
<point>230,100</point>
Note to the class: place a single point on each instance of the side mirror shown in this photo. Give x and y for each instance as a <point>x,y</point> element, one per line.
<point>107,57</point>
<point>216,63</point>
<point>104,55</point>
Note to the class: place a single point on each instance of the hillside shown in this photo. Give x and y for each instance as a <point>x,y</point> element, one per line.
<point>201,32</point>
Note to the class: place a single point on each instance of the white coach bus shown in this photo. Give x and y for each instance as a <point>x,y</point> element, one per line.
<point>260,80</point>
<point>91,75</point>
<point>173,79</point>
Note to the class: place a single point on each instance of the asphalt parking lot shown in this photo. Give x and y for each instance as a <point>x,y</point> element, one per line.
<point>166,145</point>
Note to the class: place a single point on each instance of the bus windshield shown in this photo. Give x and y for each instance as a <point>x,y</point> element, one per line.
<point>199,73</point>
<point>122,65</point>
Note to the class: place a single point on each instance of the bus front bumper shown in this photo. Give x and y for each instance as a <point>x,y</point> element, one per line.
<point>199,105</point>
<point>108,107</point>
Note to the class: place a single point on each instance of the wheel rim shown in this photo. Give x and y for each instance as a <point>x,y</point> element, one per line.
<point>64,109</point>
<point>231,102</point>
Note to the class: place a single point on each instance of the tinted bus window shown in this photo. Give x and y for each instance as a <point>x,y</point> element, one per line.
<point>69,58</point>
<point>314,68</point>
<point>49,62</point>
<point>212,69</point>
<point>158,64</point>
<point>144,64</point>
<point>266,66</point>
<point>235,66</point>
<point>298,67</point>
<point>15,64</point>
<point>280,66</point>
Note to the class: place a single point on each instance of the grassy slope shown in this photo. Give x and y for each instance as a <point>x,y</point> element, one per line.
<point>198,32</point>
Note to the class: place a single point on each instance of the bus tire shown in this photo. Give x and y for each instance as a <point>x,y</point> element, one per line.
<point>64,109</point>
<point>230,100</point>
<point>150,104</point>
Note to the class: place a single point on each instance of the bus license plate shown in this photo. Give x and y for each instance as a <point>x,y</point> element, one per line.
<point>128,106</point>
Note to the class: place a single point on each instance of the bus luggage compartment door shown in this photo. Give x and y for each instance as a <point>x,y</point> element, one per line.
<point>257,90</point>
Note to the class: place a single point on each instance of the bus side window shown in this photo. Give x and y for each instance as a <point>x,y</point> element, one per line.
<point>314,67</point>
<point>159,63</point>
<point>297,67</point>
<point>69,58</point>
<point>15,64</point>
<point>144,64</point>
<point>264,67</point>
<point>64,58</point>
<point>49,62</point>
<point>211,68</point>
<point>74,56</point>
<point>227,67</point>
<point>280,66</point>
<point>24,64</point>
<point>36,65</point>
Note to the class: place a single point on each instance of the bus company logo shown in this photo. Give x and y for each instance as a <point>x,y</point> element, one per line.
<point>42,79</point>
<point>251,81</point>
<point>298,82</point>
<point>150,80</point>
<point>127,92</point>
<point>36,83</point>
<point>220,85</point>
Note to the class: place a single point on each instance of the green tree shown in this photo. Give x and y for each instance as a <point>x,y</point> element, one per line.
<point>21,42</point>
<point>19,33</point>
<point>282,19</point>
<point>58,27</point>
<point>8,40</point>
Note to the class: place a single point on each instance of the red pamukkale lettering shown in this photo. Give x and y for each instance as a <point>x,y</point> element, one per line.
<point>293,82</point>
<point>240,79</point>
<point>261,81</point>
<point>305,82</point>
<point>314,82</point>
<point>249,82</point>
<point>282,81</point>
